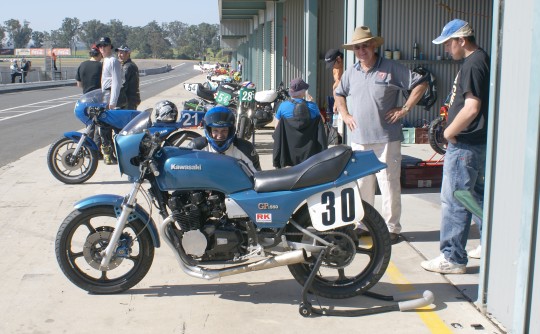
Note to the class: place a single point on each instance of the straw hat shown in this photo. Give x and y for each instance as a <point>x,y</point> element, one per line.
<point>362,35</point>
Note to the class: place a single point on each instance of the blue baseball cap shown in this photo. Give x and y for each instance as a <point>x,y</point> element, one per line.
<point>453,29</point>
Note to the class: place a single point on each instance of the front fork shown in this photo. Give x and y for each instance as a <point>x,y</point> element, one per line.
<point>127,208</point>
<point>80,144</point>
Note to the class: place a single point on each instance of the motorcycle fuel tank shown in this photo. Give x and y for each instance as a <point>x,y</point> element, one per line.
<point>182,168</point>
<point>266,96</point>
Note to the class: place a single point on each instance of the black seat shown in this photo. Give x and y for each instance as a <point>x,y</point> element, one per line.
<point>321,168</point>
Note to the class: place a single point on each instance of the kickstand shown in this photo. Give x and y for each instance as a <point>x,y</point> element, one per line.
<point>306,309</point>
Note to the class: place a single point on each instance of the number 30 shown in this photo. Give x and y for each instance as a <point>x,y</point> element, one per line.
<point>347,206</point>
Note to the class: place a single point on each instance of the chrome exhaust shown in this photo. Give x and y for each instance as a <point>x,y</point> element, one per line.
<point>285,259</point>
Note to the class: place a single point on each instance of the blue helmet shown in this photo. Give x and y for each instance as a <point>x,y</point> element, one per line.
<point>219,117</point>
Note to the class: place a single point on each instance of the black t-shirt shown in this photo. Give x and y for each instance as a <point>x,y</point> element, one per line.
<point>89,74</point>
<point>473,77</point>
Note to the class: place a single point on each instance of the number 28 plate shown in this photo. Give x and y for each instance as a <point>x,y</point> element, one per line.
<point>336,207</point>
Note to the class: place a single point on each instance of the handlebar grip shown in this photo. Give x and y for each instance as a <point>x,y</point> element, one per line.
<point>153,168</point>
<point>427,299</point>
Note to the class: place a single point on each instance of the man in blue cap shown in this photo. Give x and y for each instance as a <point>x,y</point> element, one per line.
<point>466,132</point>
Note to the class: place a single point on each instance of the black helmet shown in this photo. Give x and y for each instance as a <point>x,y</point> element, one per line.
<point>165,111</point>
<point>219,117</point>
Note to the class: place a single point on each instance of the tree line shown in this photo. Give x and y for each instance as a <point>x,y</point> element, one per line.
<point>166,40</point>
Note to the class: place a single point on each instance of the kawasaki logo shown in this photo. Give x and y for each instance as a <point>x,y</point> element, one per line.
<point>186,167</point>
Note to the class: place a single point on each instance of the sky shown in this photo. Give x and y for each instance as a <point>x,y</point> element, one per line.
<point>48,15</point>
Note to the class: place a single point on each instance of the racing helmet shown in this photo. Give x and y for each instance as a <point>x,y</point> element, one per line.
<point>219,117</point>
<point>165,111</point>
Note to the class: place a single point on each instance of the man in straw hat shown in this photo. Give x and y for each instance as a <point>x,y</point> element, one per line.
<point>465,157</point>
<point>373,87</point>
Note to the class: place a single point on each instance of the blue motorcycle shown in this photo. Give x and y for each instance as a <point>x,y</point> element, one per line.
<point>73,158</point>
<point>215,211</point>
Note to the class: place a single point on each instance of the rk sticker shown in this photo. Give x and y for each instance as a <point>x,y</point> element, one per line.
<point>263,217</point>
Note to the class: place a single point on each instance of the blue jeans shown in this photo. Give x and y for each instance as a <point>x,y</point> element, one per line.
<point>463,169</point>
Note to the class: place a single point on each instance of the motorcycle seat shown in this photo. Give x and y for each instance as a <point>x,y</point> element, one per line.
<point>205,93</point>
<point>321,168</point>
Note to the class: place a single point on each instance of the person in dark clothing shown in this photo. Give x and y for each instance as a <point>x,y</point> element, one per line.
<point>466,132</point>
<point>89,72</point>
<point>130,87</point>
<point>25,68</point>
<point>300,131</point>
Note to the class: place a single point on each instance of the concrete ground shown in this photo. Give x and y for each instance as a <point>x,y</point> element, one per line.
<point>37,298</point>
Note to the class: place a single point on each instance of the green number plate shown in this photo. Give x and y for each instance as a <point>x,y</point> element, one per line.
<point>247,95</point>
<point>223,98</point>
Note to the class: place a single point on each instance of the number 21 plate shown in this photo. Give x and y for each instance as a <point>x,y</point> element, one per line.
<point>336,207</point>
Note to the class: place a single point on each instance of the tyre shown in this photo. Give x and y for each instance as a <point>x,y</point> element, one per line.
<point>181,138</point>
<point>436,135</point>
<point>355,266</point>
<point>68,168</point>
<point>85,234</point>
<point>244,131</point>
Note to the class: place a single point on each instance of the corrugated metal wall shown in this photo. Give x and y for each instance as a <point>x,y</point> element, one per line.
<point>331,34</point>
<point>404,22</point>
<point>293,40</point>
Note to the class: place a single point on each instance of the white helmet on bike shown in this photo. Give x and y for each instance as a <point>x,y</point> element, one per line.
<point>166,111</point>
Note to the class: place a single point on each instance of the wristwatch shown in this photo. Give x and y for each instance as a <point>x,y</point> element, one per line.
<point>405,107</point>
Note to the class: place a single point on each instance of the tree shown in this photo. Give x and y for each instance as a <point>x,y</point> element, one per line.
<point>66,36</point>
<point>38,38</point>
<point>177,33</point>
<point>156,39</point>
<point>117,32</point>
<point>2,35</point>
<point>19,34</point>
<point>91,31</point>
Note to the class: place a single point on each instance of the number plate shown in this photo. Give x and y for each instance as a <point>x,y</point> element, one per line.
<point>190,118</point>
<point>247,95</point>
<point>223,98</point>
<point>191,87</point>
<point>336,207</point>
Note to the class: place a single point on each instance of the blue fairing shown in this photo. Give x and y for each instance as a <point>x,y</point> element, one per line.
<point>76,137</point>
<point>118,118</point>
<point>284,203</point>
<point>116,202</point>
<point>191,169</point>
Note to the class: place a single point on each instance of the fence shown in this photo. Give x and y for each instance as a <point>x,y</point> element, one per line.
<point>37,75</point>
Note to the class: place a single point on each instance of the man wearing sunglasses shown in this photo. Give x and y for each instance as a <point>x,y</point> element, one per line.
<point>372,88</point>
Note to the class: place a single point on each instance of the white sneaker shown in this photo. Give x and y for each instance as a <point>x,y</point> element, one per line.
<point>441,265</point>
<point>475,253</point>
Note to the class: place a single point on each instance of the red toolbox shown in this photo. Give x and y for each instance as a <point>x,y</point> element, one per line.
<point>422,174</point>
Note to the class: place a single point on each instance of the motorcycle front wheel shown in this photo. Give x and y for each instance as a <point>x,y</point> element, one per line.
<point>67,167</point>
<point>181,139</point>
<point>436,135</point>
<point>352,268</point>
<point>245,129</point>
<point>85,234</point>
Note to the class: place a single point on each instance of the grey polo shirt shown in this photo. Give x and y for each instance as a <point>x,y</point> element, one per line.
<point>370,95</point>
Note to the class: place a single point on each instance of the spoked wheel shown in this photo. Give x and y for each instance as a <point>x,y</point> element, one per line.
<point>182,138</point>
<point>82,238</point>
<point>436,135</point>
<point>69,168</point>
<point>352,266</point>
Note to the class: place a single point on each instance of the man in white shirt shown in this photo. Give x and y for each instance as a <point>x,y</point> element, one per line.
<point>111,80</point>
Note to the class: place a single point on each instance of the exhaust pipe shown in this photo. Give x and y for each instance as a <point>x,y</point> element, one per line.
<point>285,259</point>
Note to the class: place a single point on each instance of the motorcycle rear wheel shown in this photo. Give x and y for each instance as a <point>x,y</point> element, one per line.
<point>67,168</point>
<point>363,272</point>
<point>85,233</point>
<point>181,138</point>
<point>436,135</point>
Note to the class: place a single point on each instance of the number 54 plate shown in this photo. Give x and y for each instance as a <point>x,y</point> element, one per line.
<point>336,207</point>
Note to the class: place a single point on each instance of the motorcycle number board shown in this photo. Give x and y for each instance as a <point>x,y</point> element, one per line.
<point>247,95</point>
<point>223,98</point>
<point>192,88</point>
<point>336,207</point>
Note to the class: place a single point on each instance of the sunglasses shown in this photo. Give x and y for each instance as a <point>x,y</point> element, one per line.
<point>361,46</point>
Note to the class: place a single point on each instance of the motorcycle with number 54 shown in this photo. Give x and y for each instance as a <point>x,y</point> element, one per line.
<point>302,217</point>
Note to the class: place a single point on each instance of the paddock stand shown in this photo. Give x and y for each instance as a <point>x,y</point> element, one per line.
<point>306,309</point>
